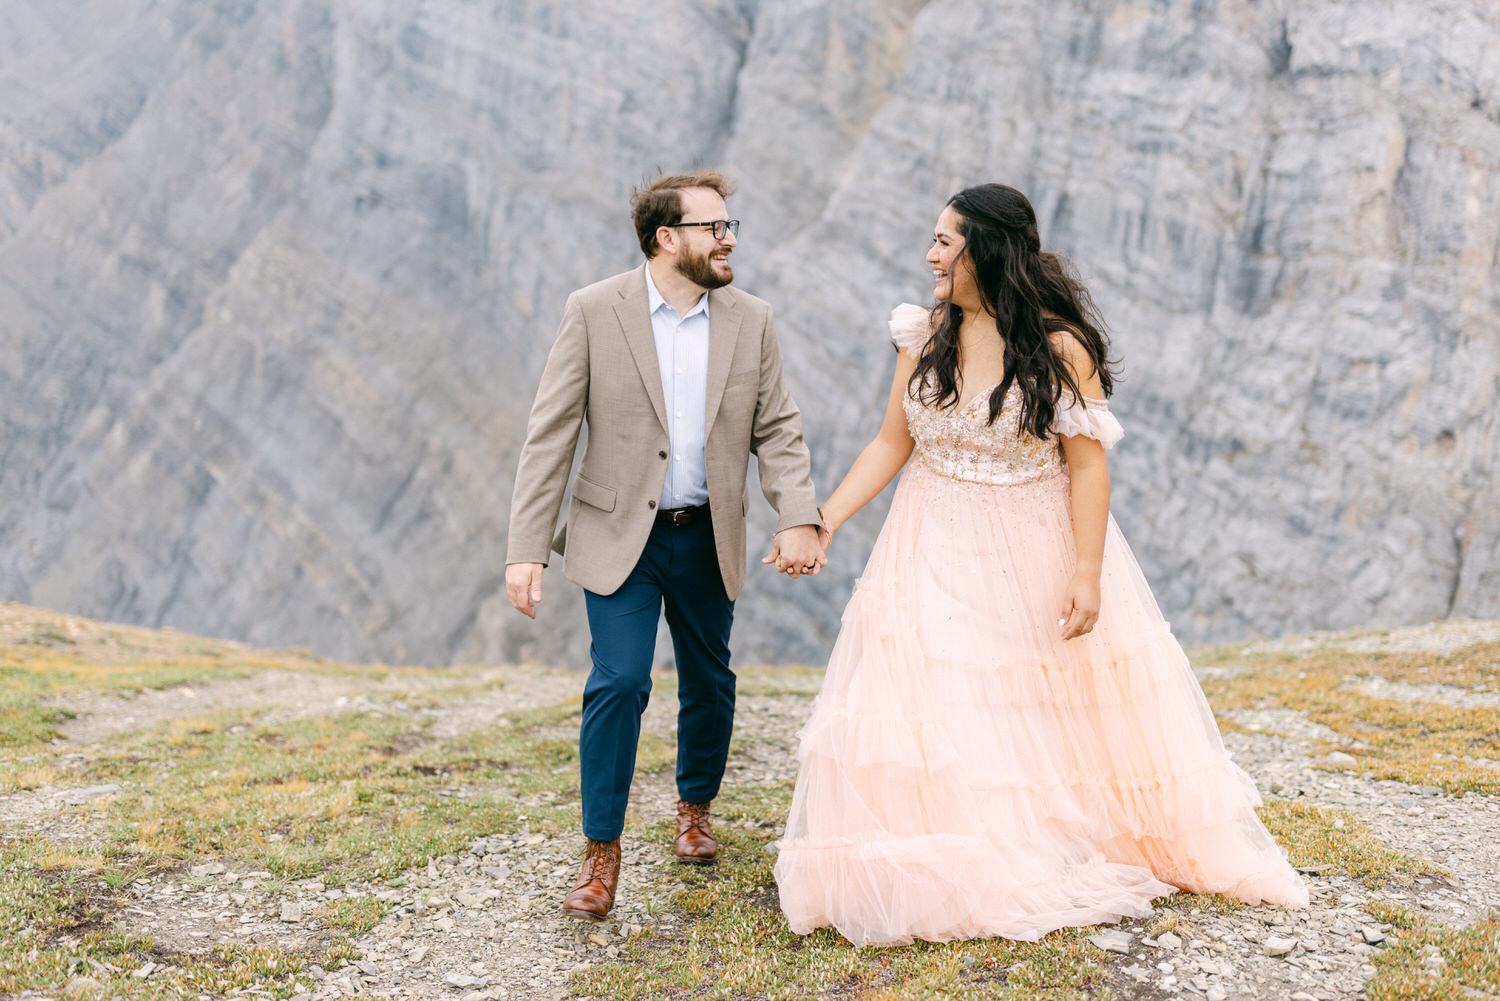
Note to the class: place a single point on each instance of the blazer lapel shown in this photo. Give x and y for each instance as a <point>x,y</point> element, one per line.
<point>634,315</point>
<point>724,320</point>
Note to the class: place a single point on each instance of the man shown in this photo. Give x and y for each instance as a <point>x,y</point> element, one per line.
<point>679,377</point>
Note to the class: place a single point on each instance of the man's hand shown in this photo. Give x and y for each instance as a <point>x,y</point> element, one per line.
<point>797,551</point>
<point>523,583</point>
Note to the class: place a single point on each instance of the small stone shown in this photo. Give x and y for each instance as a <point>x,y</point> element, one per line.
<point>467,899</point>
<point>1374,936</point>
<point>1340,759</point>
<point>1217,993</point>
<point>366,967</point>
<point>1303,996</point>
<point>444,924</point>
<point>417,955</point>
<point>83,987</point>
<point>144,971</point>
<point>1279,946</point>
<point>1167,940</point>
<point>78,797</point>
<point>209,869</point>
<point>291,911</point>
<point>1109,941</point>
<point>600,940</point>
<point>1429,790</point>
<point>454,979</point>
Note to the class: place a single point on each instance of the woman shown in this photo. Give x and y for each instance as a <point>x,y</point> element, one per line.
<point>1008,740</point>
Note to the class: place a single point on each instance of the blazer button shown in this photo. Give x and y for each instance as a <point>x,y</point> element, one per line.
<point>651,504</point>
<point>661,455</point>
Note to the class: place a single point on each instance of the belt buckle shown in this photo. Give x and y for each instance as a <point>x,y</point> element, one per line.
<point>681,517</point>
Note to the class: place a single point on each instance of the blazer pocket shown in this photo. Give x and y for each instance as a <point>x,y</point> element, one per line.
<point>593,494</point>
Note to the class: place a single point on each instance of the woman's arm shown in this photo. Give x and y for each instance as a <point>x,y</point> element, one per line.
<point>1089,470</point>
<point>877,464</point>
<point>881,459</point>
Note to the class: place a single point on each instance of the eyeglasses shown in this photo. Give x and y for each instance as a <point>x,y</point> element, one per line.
<point>720,227</point>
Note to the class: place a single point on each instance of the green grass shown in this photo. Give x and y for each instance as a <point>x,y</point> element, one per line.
<point>1419,743</point>
<point>1433,962</point>
<point>1315,837</point>
<point>346,797</point>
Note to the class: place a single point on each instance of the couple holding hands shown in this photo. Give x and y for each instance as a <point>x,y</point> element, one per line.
<point>1008,739</point>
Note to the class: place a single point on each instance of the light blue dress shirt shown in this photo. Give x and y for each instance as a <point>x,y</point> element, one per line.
<point>682,358</point>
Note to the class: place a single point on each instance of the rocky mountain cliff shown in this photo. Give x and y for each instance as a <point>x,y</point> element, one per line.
<point>277,279</point>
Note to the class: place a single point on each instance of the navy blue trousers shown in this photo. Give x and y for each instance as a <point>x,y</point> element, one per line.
<point>679,569</point>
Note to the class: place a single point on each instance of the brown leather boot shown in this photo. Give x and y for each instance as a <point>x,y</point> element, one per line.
<point>695,840</point>
<point>595,893</point>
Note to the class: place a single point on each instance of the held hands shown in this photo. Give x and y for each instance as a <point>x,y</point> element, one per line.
<point>523,585</point>
<point>1080,605</point>
<point>799,550</point>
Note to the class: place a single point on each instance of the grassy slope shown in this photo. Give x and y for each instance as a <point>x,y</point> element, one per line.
<point>342,796</point>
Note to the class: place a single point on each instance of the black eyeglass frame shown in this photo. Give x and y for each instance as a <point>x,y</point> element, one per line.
<point>719,227</point>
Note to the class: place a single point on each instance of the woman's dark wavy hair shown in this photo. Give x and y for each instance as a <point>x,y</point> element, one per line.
<point>1032,294</point>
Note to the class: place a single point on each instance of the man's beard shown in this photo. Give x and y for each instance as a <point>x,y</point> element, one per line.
<point>700,271</point>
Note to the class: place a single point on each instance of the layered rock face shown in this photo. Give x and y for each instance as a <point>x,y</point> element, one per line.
<point>277,280</point>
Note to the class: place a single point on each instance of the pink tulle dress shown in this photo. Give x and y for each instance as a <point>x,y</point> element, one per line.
<point>965,771</point>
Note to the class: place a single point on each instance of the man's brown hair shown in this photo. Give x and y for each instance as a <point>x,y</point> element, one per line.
<point>660,202</point>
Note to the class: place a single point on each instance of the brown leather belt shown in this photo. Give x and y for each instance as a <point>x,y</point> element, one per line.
<point>681,516</point>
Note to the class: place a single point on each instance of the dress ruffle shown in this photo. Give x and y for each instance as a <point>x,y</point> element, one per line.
<point>1090,418</point>
<point>911,328</point>
<point>965,772</point>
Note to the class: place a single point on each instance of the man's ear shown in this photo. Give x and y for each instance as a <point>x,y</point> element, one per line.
<point>666,239</point>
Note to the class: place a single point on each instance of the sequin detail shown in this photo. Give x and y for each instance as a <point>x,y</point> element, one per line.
<point>960,444</point>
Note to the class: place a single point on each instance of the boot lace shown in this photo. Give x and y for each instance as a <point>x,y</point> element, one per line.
<point>696,815</point>
<point>601,858</point>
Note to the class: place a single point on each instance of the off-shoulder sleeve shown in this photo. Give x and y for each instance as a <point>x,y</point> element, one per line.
<point>911,326</point>
<point>1090,418</point>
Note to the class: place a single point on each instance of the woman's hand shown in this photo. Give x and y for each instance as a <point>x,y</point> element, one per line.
<point>1080,605</point>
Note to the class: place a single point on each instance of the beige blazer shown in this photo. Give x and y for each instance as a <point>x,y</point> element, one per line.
<point>602,369</point>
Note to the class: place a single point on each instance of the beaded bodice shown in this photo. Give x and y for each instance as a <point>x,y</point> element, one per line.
<point>960,443</point>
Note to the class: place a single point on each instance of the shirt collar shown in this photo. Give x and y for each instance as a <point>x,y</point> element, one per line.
<point>655,301</point>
